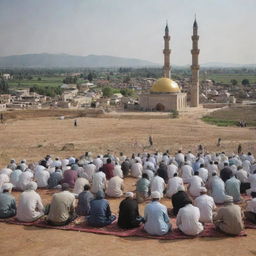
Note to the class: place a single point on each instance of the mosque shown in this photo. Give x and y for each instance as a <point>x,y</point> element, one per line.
<point>165,94</point>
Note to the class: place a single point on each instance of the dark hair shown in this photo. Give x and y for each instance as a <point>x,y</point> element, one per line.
<point>175,174</point>
<point>87,187</point>
<point>65,186</point>
<point>145,175</point>
<point>225,164</point>
<point>201,165</point>
<point>214,174</point>
<point>253,194</point>
<point>108,160</point>
<point>196,173</point>
<point>5,190</point>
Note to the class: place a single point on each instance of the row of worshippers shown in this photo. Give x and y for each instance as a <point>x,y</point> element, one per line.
<point>190,218</point>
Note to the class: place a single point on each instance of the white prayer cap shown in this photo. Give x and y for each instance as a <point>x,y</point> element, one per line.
<point>31,186</point>
<point>7,186</point>
<point>180,188</point>
<point>203,190</point>
<point>155,195</point>
<point>129,194</point>
<point>228,199</point>
<point>72,160</point>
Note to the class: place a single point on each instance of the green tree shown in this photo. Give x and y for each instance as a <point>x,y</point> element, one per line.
<point>4,88</point>
<point>90,77</point>
<point>107,92</point>
<point>245,82</point>
<point>233,82</point>
<point>39,79</point>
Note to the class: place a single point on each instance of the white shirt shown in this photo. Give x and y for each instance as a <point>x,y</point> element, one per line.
<point>149,165</point>
<point>89,170</point>
<point>24,179</point>
<point>6,171</point>
<point>186,173</point>
<point>171,169</point>
<point>172,186</point>
<point>180,157</point>
<point>242,175</point>
<point>79,185</point>
<point>118,171</point>
<point>195,185</point>
<point>136,170</point>
<point>14,179</point>
<point>149,173</point>
<point>251,205</point>
<point>252,180</point>
<point>98,182</point>
<point>115,187</point>
<point>212,168</point>
<point>4,178</point>
<point>188,220</point>
<point>30,206</point>
<point>98,163</point>
<point>206,206</point>
<point>41,177</point>
<point>203,173</point>
<point>247,165</point>
<point>157,184</point>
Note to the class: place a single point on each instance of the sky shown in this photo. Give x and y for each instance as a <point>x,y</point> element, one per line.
<point>130,28</point>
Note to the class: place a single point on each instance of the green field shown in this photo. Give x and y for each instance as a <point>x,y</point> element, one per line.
<point>232,115</point>
<point>225,78</point>
<point>46,81</point>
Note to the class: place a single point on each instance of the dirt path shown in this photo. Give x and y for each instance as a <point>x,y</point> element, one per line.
<point>33,138</point>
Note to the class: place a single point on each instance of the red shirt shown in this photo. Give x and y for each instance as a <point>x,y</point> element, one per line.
<point>70,177</point>
<point>108,170</point>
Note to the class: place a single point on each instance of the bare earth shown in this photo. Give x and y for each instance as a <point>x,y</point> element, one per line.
<point>34,138</point>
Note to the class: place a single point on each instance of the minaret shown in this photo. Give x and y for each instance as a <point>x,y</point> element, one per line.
<point>195,67</point>
<point>166,51</point>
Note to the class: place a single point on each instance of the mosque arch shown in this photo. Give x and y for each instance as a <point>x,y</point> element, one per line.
<point>160,107</point>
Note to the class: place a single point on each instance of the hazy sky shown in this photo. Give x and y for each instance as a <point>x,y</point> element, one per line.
<point>130,28</point>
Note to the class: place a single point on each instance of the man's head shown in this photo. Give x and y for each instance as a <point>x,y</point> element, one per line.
<point>31,186</point>
<point>108,161</point>
<point>196,173</point>
<point>175,174</point>
<point>201,165</point>
<point>129,195</point>
<point>253,194</point>
<point>155,195</point>
<point>145,175</point>
<point>7,187</point>
<point>87,187</point>
<point>65,187</point>
<point>180,188</point>
<point>74,167</point>
<point>100,194</point>
<point>229,199</point>
<point>203,190</point>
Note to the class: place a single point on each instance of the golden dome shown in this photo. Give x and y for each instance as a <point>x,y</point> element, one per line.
<point>163,85</point>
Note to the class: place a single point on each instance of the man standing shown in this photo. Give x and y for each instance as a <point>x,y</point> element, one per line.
<point>62,209</point>
<point>156,217</point>
<point>229,218</point>
<point>129,216</point>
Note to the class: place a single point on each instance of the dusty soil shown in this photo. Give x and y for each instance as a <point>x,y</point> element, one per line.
<point>32,137</point>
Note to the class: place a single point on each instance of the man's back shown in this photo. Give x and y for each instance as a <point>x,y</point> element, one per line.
<point>233,188</point>
<point>7,205</point>
<point>156,219</point>
<point>188,220</point>
<point>61,205</point>
<point>230,219</point>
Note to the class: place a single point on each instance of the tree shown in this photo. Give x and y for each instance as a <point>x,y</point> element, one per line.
<point>90,77</point>
<point>4,88</point>
<point>245,82</point>
<point>233,82</point>
<point>126,92</point>
<point>39,79</point>
<point>107,92</point>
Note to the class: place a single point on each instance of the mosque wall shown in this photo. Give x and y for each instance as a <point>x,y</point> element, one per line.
<point>163,102</point>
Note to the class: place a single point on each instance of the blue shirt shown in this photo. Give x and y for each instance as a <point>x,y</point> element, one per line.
<point>233,188</point>
<point>156,219</point>
<point>7,205</point>
<point>218,190</point>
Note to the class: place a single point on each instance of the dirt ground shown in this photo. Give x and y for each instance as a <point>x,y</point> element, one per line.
<point>33,138</point>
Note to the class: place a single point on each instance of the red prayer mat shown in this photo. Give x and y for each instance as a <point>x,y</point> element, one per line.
<point>81,226</point>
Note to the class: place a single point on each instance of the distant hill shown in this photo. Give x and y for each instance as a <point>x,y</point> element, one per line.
<point>45,60</point>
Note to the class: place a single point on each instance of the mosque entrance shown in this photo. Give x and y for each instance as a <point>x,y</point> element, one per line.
<point>160,107</point>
